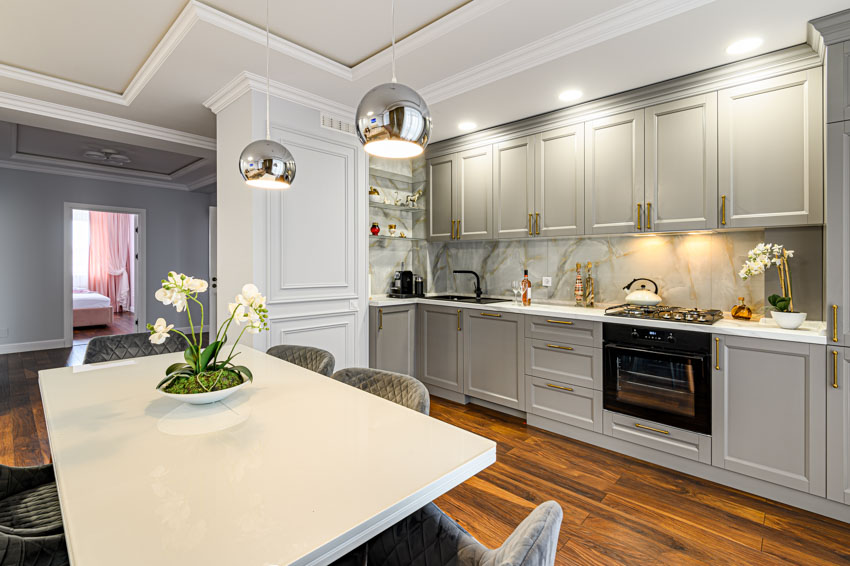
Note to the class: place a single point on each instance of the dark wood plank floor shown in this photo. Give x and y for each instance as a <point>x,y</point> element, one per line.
<point>617,510</point>
<point>122,323</point>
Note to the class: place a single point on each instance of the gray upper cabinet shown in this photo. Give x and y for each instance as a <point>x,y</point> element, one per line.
<point>614,174</point>
<point>770,152</point>
<point>392,344</point>
<point>768,419</point>
<point>681,165</point>
<point>474,194</point>
<point>441,347</point>
<point>559,182</point>
<point>493,357</point>
<point>513,188</point>
<point>838,234</point>
<point>442,179</point>
<point>838,82</point>
<point>838,425</point>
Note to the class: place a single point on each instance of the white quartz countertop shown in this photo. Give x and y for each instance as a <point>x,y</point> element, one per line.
<point>812,332</point>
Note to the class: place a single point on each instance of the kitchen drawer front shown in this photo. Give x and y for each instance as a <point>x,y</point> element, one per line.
<point>661,437</point>
<point>564,330</point>
<point>574,365</point>
<point>576,406</point>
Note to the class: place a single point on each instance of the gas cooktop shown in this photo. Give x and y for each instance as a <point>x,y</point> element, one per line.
<point>661,312</point>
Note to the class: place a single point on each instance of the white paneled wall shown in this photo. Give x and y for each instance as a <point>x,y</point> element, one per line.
<point>307,244</point>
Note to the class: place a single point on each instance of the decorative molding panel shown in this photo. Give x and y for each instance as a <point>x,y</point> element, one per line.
<point>332,332</point>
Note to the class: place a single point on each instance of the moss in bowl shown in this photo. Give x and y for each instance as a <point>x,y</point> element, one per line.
<point>204,382</point>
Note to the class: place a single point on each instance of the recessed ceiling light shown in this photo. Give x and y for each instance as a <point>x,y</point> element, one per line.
<point>466,126</point>
<point>744,45</point>
<point>570,95</point>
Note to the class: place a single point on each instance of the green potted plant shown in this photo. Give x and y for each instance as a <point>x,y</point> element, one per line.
<point>759,260</point>
<point>207,374</point>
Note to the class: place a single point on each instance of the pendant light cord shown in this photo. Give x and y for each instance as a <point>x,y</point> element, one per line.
<point>268,80</point>
<point>393,28</point>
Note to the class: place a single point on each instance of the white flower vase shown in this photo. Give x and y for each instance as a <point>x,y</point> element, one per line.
<point>789,320</point>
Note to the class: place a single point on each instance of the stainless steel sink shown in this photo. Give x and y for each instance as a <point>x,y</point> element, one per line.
<point>462,299</point>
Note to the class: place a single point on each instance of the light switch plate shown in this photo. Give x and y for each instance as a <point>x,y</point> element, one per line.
<point>547,281</point>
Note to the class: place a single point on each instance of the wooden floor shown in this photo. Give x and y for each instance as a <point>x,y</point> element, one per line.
<point>122,323</point>
<point>617,510</point>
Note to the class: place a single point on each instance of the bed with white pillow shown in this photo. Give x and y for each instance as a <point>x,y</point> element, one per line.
<point>91,309</point>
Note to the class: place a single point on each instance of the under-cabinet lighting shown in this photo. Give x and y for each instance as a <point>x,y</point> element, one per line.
<point>744,45</point>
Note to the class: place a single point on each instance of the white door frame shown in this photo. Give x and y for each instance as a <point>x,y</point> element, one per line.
<point>140,294</point>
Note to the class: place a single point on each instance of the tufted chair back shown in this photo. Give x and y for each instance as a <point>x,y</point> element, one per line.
<point>125,346</point>
<point>396,387</point>
<point>314,359</point>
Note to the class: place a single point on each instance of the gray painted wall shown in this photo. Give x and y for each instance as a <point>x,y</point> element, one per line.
<point>31,245</point>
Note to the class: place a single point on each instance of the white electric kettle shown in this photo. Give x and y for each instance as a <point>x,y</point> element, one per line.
<point>642,297</point>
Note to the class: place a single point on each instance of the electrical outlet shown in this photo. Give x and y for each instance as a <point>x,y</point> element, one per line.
<point>547,281</point>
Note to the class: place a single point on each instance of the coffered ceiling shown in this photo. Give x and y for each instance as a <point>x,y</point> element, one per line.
<point>485,61</point>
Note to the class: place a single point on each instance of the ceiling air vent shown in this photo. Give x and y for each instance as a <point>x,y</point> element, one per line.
<point>333,123</point>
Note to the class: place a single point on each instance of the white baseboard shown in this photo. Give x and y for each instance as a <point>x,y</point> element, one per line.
<point>30,346</point>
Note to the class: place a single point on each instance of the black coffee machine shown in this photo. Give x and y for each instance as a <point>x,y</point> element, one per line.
<point>402,286</point>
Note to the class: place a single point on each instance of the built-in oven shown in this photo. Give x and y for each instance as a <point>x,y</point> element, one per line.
<point>658,375</point>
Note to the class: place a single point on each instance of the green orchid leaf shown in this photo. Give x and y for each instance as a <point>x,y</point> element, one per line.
<point>191,356</point>
<point>174,367</point>
<point>208,354</point>
<point>174,375</point>
<point>244,372</point>
<point>773,298</point>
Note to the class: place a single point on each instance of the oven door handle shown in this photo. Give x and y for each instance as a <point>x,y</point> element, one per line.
<point>656,353</point>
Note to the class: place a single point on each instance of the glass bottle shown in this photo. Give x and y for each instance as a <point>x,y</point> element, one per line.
<point>525,285</point>
<point>579,289</point>
<point>742,311</point>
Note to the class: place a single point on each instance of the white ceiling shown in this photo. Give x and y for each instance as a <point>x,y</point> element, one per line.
<point>487,61</point>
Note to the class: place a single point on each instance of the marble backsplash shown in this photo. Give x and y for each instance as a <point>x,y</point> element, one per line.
<point>698,270</point>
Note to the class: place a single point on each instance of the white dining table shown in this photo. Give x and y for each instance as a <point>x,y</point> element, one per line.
<point>294,468</point>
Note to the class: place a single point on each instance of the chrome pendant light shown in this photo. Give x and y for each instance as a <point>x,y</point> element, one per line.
<point>392,119</point>
<point>266,164</point>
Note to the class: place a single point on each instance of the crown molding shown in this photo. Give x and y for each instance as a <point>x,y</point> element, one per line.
<point>79,116</point>
<point>202,182</point>
<point>245,82</point>
<point>834,28</point>
<point>797,58</point>
<point>592,31</point>
<point>23,75</point>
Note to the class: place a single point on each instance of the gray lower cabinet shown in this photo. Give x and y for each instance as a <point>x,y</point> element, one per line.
<point>770,151</point>
<point>613,161</point>
<point>493,357</point>
<point>838,234</point>
<point>392,343</point>
<point>574,365</point>
<point>661,437</point>
<point>441,347</point>
<point>838,424</point>
<point>569,404</point>
<point>681,165</point>
<point>565,330</point>
<point>513,188</point>
<point>768,419</point>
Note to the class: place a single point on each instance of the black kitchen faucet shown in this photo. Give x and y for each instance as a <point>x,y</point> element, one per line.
<point>477,281</point>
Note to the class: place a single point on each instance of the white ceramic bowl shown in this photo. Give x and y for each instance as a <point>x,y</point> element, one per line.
<point>788,320</point>
<point>203,398</point>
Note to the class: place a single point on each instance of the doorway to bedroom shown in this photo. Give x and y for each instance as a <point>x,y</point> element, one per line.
<point>104,273</point>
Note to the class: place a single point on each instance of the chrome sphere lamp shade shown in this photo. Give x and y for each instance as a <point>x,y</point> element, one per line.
<point>266,164</point>
<point>392,119</point>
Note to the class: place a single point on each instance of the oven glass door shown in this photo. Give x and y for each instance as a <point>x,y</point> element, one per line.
<point>660,386</point>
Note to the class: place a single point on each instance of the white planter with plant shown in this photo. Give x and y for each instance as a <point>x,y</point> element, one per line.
<point>207,375</point>
<point>759,260</point>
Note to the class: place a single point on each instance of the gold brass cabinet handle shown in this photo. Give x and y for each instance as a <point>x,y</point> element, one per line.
<point>453,229</point>
<point>497,315</point>
<point>717,353</point>
<point>380,319</point>
<point>458,320</point>
<point>553,386</point>
<point>649,216</point>
<point>537,223</point>
<point>638,217</point>
<point>558,347</point>
<point>638,425</point>
<point>458,230</point>
<point>559,321</point>
<point>835,323</point>
<point>835,369</point>
<point>723,210</point>
<point>530,224</point>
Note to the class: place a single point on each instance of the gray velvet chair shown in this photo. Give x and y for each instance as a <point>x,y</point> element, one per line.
<point>430,537</point>
<point>29,502</point>
<point>314,359</point>
<point>395,387</point>
<point>33,551</point>
<point>124,346</point>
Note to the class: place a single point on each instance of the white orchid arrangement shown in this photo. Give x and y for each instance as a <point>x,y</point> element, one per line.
<point>203,371</point>
<point>759,260</point>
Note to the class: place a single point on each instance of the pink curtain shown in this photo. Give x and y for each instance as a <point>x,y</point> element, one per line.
<point>109,257</point>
